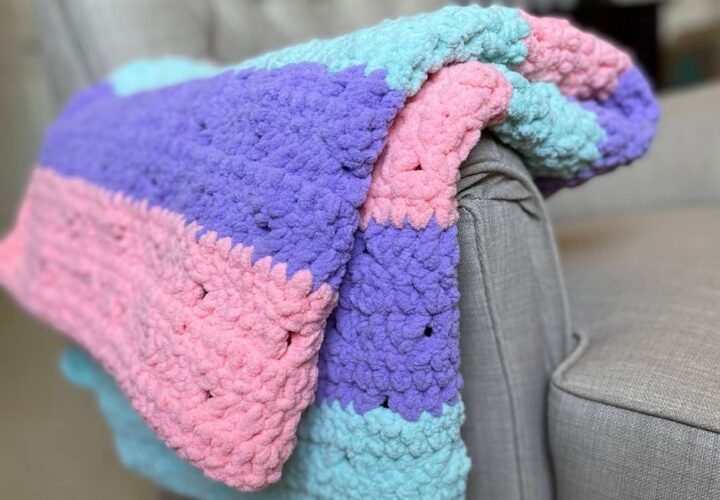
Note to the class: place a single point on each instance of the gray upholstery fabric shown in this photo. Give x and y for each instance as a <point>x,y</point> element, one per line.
<point>85,39</point>
<point>635,412</point>
<point>513,325</point>
<point>608,452</point>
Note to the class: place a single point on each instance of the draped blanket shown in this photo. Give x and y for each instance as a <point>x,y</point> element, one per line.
<point>231,245</point>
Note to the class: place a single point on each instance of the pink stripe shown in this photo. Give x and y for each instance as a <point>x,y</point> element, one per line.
<point>580,64</point>
<point>415,177</point>
<point>217,354</point>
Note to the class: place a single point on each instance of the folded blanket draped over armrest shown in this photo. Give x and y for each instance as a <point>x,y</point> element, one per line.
<point>241,247</point>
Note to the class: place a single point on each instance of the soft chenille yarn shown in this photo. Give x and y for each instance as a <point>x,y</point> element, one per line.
<point>232,244</point>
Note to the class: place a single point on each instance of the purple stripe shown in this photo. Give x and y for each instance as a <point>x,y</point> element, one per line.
<point>278,159</point>
<point>394,334</point>
<point>629,118</point>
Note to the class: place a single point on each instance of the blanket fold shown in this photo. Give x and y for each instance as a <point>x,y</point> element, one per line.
<point>232,244</point>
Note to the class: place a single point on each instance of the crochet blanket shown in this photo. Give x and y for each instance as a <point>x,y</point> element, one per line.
<point>232,244</point>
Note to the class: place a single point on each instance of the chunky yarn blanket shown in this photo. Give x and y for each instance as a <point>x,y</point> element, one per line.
<point>261,260</point>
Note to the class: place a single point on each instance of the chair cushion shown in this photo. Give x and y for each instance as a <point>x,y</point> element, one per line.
<point>635,411</point>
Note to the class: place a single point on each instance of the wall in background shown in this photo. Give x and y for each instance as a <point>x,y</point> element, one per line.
<point>25,102</point>
<point>680,16</point>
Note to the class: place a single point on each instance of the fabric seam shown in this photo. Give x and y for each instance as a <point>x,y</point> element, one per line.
<point>557,378</point>
<point>631,410</point>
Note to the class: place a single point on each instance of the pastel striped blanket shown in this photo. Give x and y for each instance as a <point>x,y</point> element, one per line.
<point>261,259</point>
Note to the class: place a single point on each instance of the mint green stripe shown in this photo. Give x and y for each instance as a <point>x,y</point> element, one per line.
<point>555,136</point>
<point>411,47</point>
<point>406,48</point>
<point>147,74</point>
<point>340,454</point>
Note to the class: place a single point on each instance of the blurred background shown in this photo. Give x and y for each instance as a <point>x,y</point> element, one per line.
<point>54,443</point>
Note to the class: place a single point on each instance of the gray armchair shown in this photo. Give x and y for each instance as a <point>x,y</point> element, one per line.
<point>622,403</point>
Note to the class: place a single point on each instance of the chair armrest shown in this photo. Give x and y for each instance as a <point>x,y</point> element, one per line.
<point>513,321</point>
